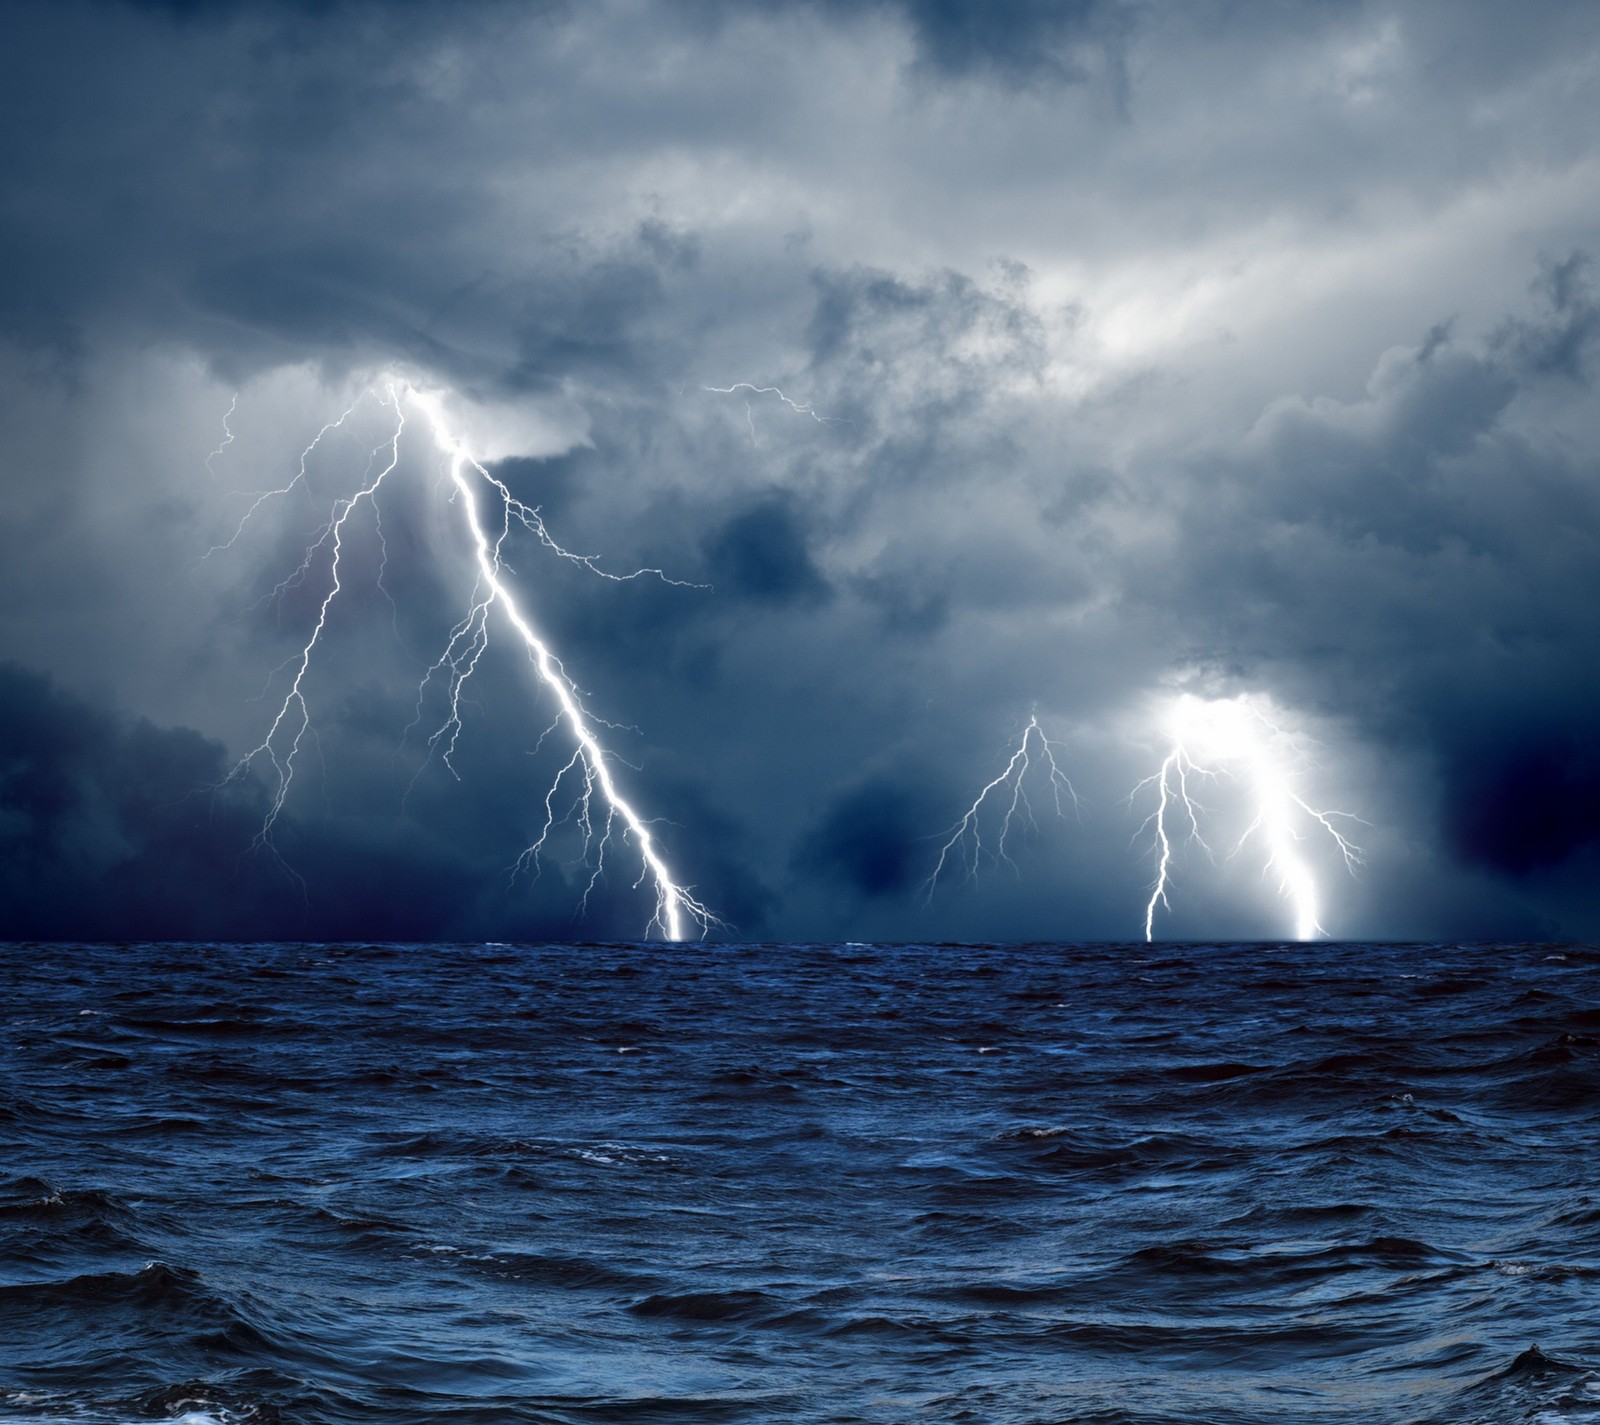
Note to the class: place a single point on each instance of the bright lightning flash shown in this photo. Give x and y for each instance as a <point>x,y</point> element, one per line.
<point>1237,737</point>
<point>489,510</point>
<point>966,843</point>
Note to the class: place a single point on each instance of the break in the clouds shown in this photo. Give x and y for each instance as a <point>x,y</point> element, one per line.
<point>1124,349</point>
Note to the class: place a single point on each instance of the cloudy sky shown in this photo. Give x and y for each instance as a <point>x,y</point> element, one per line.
<point>1128,350</point>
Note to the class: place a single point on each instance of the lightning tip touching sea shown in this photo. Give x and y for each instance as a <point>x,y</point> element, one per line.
<point>289,1184</point>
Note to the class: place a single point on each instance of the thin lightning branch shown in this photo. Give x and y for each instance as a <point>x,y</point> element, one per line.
<point>383,568</point>
<point>528,517</point>
<point>303,570</point>
<point>470,482</point>
<point>529,859</point>
<point>1347,848</point>
<point>298,482</point>
<point>803,408</point>
<point>294,717</point>
<point>965,840</point>
<point>553,728</point>
<point>1235,736</point>
<point>227,436</point>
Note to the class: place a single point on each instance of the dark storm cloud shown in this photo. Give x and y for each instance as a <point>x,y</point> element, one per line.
<point>1130,343</point>
<point>233,170</point>
<point>1055,40</point>
<point>1428,565</point>
<point>761,555</point>
<point>1012,41</point>
<point>109,829</point>
<point>865,321</point>
<point>1525,796</point>
<point>1562,339</point>
<point>112,828</point>
<point>873,840</point>
<point>197,11</point>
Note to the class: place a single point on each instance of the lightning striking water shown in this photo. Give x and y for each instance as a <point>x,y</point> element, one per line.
<point>1236,737</point>
<point>966,842</point>
<point>472,488</point>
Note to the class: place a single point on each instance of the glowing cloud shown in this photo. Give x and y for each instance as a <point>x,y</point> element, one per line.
<point>1239,738</point>
<point>1242,739</point>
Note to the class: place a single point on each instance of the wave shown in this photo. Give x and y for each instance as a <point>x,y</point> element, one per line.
<point>1234,1185</point>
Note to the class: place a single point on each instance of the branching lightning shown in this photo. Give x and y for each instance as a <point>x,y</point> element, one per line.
<point>1241,739</point>
<point>298,481</point>
<point>1236,737</point>
<point>965,842</point>
<point>293,719</point>
<point>490,511</point>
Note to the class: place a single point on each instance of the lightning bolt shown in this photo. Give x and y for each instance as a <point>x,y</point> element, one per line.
<point>489,511</point>
<point>1172,790</point>
<point>965,841</point>
<point>674,904</point>
<point>1234,736</point>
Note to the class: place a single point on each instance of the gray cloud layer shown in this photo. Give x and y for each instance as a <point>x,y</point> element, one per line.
<point>1153,347</point>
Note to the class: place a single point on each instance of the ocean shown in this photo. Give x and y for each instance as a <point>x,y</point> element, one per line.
<point>430,1184</point>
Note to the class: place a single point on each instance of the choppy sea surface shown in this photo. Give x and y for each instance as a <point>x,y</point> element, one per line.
<point>636,1183</point>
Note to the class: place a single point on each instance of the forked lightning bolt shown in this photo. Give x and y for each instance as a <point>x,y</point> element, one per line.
<point>1235,737</point>
<point>965,842</point>
<point>674,905</point>
<point>676,909</point>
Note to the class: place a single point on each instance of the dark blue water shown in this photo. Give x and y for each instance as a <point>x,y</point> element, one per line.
<point>1044,1183</point>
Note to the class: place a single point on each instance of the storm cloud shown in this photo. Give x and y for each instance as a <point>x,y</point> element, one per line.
<point>954,364</point>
